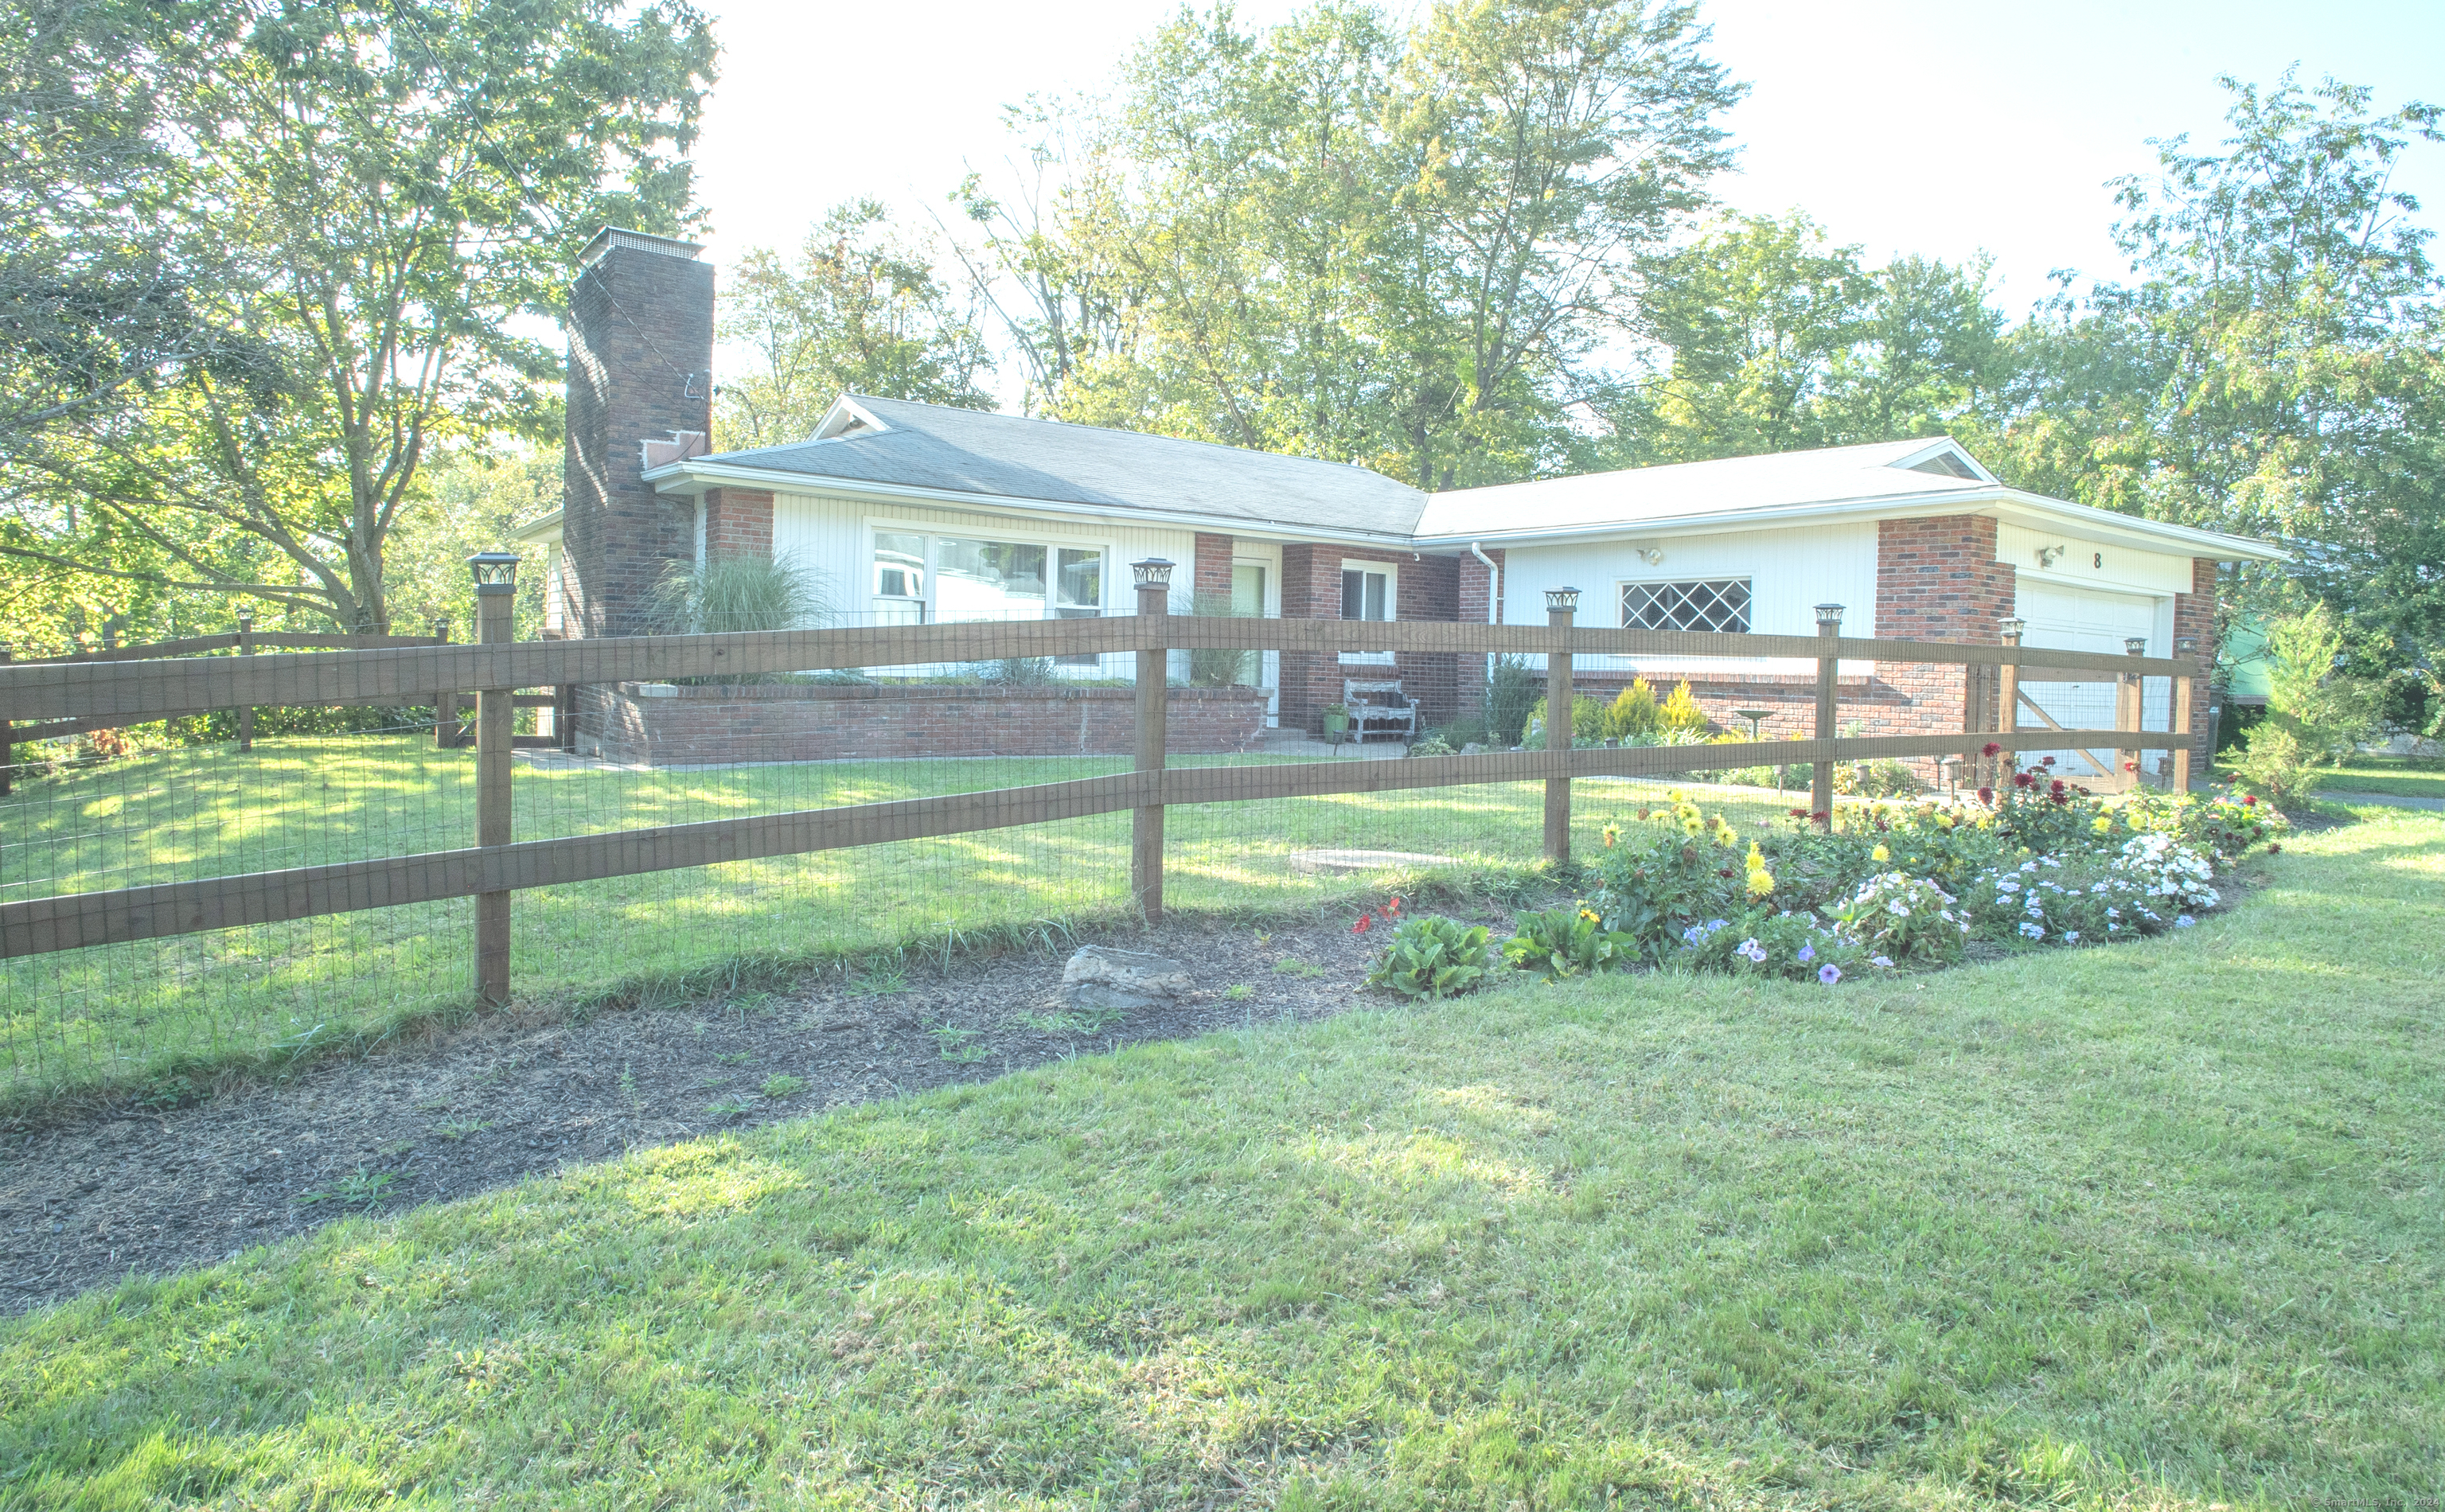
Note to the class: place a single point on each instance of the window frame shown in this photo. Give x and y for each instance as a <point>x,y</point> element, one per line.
<point>1749,609</point>
<point>1392,571</point>
<point>998,532</point>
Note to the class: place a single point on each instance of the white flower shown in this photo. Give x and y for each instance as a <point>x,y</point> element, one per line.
<point>1897,908</point>
<point>2033,931</point>
<point>2071,937</point>
<point>2183,921</point>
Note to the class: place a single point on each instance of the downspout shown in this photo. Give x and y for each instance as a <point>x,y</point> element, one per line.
<point>1493,608</point>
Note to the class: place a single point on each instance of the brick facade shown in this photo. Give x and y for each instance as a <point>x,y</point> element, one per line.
<point>738,522</point>
<point>1936,580</point>
<point>2194,615</point>
<point>639,366</point>
<point>1426,588</point>
<point>1210,574</point>
<point>797,721</point>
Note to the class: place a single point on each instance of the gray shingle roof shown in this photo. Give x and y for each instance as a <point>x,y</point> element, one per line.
<point>1008,456</point>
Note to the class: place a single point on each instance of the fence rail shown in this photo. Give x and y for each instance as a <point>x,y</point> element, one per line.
<point>132,685</point>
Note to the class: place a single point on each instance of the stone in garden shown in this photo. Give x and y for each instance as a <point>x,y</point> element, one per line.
<point>1100,977</point>
<point>1473,748</point>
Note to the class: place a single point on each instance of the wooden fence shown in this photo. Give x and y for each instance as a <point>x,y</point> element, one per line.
<point>100,691</point>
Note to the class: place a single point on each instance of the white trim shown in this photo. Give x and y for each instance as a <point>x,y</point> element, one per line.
<point>1941,446</point>
<point>935,531</point>
<point>847,414</point>
<point>1392,571</point>
<point>685,478</point>
<point>1747,578</point>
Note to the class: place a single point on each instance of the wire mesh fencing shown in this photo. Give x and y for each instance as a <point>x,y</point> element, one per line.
<point>1349,757</point>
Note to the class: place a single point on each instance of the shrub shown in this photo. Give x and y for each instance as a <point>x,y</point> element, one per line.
<point>1512,688</point>
<point>2314,714</point>
<point>1633,714</point>
<point>1680,716</point>
<point>1587,721</point>
<point>2276,761</point>
<point>1433,745</point>
<point>1906,919</point>
<point>1572,941</point>
<point>743,592</point>
<point>1432,957</point>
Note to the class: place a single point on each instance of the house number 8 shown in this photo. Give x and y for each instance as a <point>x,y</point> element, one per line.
<point>2097,558</point>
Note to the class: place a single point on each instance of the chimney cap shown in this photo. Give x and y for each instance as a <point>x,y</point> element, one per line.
<point>610,236</point>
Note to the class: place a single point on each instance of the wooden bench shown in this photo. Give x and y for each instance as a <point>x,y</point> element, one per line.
<point>1380,706</point>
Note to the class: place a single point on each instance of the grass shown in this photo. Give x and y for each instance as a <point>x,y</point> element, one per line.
<point>135,1017</point>
<point>2396,777</point>
<point>2144,1226</point>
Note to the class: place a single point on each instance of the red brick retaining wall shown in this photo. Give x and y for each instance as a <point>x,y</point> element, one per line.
<point>802,721</point>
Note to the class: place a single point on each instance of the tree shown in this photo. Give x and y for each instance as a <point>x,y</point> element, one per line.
<point>1769,339</point>
<point>2272,366</point>
<point>381,190</point>
<point>1344,238</point>
<point>862,311</point>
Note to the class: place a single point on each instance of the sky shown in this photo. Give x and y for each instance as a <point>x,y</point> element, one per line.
<point>1945,129</point>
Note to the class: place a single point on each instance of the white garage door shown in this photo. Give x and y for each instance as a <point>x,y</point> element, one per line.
<point>2075,619</point>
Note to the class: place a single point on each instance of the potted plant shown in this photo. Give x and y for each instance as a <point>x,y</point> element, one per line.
<point>1336,724</point>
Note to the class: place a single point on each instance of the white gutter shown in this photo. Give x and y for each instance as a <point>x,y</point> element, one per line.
<point>1897,506</point>
<point>1493,585</point>
<point>677,477</point>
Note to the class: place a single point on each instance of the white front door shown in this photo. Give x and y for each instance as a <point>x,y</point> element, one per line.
<point>1251,598</point>
<point>2079,619</point>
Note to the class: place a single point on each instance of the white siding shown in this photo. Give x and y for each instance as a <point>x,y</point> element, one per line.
<point>1789,571</point>
<point>2090,564</point>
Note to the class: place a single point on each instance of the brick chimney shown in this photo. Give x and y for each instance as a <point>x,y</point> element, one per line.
<point>640,386</point>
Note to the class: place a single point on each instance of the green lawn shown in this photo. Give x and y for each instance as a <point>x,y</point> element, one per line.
<point>2149,1225</point>
<point>2399,776</point>
<point>134,1016</point>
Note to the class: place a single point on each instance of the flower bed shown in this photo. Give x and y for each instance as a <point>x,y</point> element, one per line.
<point>2037,864</point>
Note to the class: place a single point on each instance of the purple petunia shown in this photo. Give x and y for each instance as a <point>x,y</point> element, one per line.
<point>1807,954</point>
<point>1829,974</point>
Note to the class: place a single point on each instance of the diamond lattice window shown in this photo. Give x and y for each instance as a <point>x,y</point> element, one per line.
<point>1720,605</point>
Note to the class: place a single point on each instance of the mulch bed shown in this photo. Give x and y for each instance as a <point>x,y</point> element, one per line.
<point>86,1201</point>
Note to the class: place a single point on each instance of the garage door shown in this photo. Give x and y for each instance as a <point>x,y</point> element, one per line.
<point>2075,619</point>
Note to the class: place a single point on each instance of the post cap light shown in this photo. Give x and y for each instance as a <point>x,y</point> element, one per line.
<point>1152,573</point>
<point>1829,614</point>
<point>495,571</point>
<point>245,618</point>
<point>1562,598</point>
<point>2135,644</point>
<point>2012,625</point>
<point>2186,645</point>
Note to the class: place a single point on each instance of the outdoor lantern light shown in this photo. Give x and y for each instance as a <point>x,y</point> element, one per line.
<point>495,571</point>
<point>2011,626</point>
<point>2135,644</point>
<point>1152,573</point>
<point>2186,645</point>
<point>1565,599</point>
<point>1828,615</point>
<point>246,619</point>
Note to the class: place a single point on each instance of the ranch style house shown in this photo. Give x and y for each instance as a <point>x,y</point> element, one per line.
<point>909,513</point>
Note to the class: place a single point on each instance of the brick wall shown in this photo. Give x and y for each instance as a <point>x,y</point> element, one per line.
<point>1427,589</point>
<point>1936,580</point>
<point>1210,574</point>
<point>738,522</point>
<point>786,721</point>
<point>2194,615</point>
<point>639,366</point>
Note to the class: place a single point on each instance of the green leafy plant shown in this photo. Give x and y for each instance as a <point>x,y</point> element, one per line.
<point>1570,941</point>
<point>1512,689</point>
<point>1677,867</point>
<point>778,1087</point>
<point>1293,966</point>
<point>1239,992</point>
<point>1633,714</point>
<point>957,1044</point>
<point>1432,957</point>
<point>742,592</point>
<point>1587,721</point>
<point>727,1108</point>
<point>1212,668</point>
<point>361,1189</point>
<point>454,1129</point>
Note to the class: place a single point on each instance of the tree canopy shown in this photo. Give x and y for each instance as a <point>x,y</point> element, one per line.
<point>361,200</point>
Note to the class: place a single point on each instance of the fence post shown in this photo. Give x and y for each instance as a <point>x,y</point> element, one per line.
<point>1561,607</point>
<point>495,713</point>
<point>8,755</point>
<point>246,647</point>
<point>2007,696</point>
<point>2186,648</point>
<point>2128,707</point>
<point>1153,577</point>
<point>1829,663</point>
<point>445,705</point>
